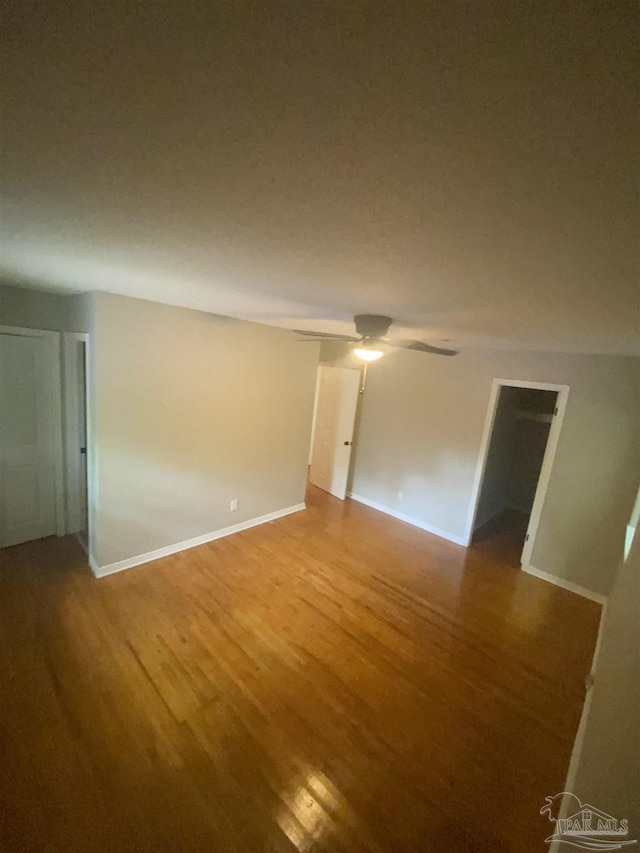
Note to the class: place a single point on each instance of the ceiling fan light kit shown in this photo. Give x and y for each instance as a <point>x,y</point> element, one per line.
<point>367,354</point>
<point>372,330</point>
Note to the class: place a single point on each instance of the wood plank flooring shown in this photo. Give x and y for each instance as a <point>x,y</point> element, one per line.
<point>332,681</point>
<point>502,538</point>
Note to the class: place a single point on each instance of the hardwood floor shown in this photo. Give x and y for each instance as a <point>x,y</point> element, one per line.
<point>332,681</point>
<point>502,538</point>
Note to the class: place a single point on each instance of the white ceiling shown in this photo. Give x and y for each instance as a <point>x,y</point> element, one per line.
<point>468,168</point>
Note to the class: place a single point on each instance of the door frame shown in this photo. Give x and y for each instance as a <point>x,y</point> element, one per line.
<point>53,345</point>
<point>316,394</point>
<point>71,437</point>
<point>547,462</point>
<point>354,370</point>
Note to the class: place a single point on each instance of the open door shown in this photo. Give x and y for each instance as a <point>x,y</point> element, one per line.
<point>336,404</point>
<point>75,368</point>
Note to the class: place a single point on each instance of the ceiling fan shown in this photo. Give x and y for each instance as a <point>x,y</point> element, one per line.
<point>372,330</point>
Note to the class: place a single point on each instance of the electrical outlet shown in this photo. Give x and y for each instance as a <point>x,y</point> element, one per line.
<point>400,495</point>
<point>233,506</point>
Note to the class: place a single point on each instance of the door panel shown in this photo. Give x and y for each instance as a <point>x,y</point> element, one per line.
<point>27,481</point>
<point>338,393</point>
<point>82,428</point>
<point>76,435</point>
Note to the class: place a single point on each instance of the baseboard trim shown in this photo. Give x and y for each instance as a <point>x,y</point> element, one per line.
<point>415,522</point>
<point>122,565</point>
<point>568,585</point>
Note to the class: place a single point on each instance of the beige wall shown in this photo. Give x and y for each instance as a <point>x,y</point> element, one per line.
<point>606,769</point>
<point>79,317</point>
<point>38,309</point>
<point>192,410</point>
<point>420,430</point>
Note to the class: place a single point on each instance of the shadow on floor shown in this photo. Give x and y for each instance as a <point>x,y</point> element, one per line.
<point>502,538</point>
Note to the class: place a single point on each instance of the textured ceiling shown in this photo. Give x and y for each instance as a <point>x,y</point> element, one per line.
<point>468,168</point>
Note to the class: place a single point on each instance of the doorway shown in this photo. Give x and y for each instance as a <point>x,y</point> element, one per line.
<point>31,472</point>
<point>75,434</point>
<point>336,404</point>
<point>521,434</point>
<point>43,435</point>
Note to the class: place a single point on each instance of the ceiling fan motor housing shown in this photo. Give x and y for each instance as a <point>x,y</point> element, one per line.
<point>372,325</point>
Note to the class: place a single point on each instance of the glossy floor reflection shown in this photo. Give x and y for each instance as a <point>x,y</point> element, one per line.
<point>332,681</point>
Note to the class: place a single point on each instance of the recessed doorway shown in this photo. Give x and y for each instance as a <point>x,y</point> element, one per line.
<point>521,435</point>
<point>336,404</point>
<point>75,361</point>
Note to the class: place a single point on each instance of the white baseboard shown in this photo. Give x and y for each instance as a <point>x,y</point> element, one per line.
<point>112,568</point>
<point>572,587</point>
<point>415,522</point>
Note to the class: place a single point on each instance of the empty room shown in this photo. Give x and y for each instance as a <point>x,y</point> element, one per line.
<point>319,428</point>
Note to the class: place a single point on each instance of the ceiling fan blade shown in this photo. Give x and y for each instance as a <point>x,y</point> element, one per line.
<point>420,347</point>
<point>326,335</point>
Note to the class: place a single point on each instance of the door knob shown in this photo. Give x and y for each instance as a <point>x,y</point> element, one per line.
<point>346,443</point>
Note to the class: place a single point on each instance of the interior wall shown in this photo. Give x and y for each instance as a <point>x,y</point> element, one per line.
<point>39,309</point>
<point>79,312</point>
<point>420,432</point>
<point>192,410</point>
<point>606,771</point>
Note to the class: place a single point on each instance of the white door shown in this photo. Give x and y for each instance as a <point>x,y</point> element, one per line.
<point>82,426</point>
<point>76,433</point>
<point>337,401</point>
<point>27,439</point>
